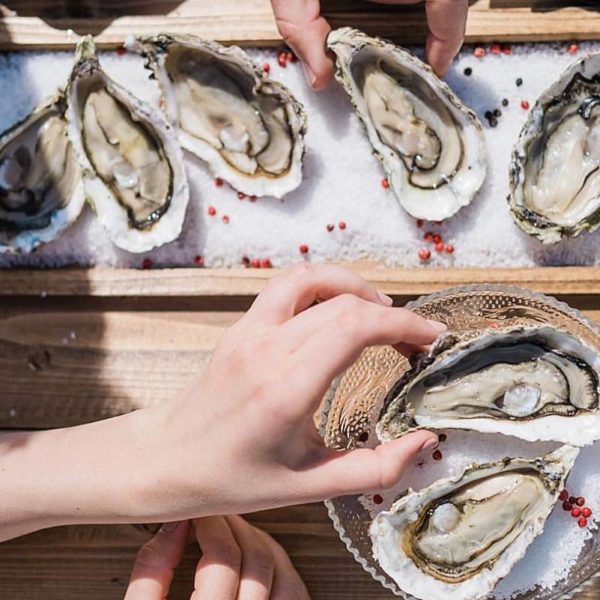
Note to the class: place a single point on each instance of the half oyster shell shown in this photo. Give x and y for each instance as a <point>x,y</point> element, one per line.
<point>431,146</point>
<point>535,383</point>
<point>41,192</point>
<point>130,157</point>
<point>248,128</point>
<point>555,168</point>
<point>457,538</point>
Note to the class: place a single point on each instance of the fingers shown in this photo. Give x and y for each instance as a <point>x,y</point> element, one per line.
<point>258,566</point>
<point>305,31</point>
<point>364,470</point>
<point>218,571</point>
<point>156,561</point>
<point>299,287</point>
<point>447,20</point>
<point>287,584</point>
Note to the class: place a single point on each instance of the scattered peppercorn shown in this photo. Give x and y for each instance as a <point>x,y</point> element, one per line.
<point>241,195</point>
<point>199,260</point>
<point>245,261</point>
<point>225,219</point>
<point>290,57</point>
<point>303,249</point>
<point>252,198</point>
<point>497,112</point>
<point>495,49</point>
<point>493,122</point>
<point>488,114</point>
<point>524,104</point>
<point>212,211</point>
<point>424,254</point>
<point>282,59</point>
<point>572,499</point>
<point>582,522</point>
<point>265,263</point>
<point>504,101</point>
<point>586,512</point>
<point>218,181</point>
<point>342,224</point>
<point>428,236</point>
<point>479,52</point>
<point>576,512</point>
<point>266,67</point>
<point>437,238</point>
<point>121,50</point>
<point>385,183</point>
<point>567,506</point>
<point>468,71</point>
<point>519,82</point>
<point>437,455</point>
<point>573,49</point>
<point>564,495</point>
<point>442,437</point>
<point>363,437</point>
<point>506,49</point>
<point>147,263</point>
<point>449,249</point>
<point>420,223</point>
<point>439,247</point>
<point>377,499</point>
<point>330,227</point>
<point>580,501</point>
<point>255,263</point>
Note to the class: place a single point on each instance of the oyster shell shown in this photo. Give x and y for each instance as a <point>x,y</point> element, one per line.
<point>41,192</point>
<point>457,538</point>
<point>535,383</point>
<point>130,157</point>
<point>431,146</point>
<point>555,168</point>
<point>248,128</point>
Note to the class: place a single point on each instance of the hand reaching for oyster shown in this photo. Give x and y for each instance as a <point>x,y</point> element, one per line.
<point>305,30</point>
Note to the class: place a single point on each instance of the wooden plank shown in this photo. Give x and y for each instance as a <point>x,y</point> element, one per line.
<point>170,283</point>
<point>251,22</point>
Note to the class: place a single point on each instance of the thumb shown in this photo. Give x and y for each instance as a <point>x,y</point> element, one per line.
<point>305,31</point>
<point>367,470</point>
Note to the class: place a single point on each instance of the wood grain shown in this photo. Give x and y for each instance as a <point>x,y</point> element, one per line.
<point>251,22</point>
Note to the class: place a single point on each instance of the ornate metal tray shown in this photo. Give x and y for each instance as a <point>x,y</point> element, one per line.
<point>352,405</point>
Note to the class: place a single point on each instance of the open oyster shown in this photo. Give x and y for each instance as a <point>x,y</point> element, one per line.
<point>248,128</point>
<point>535,383</point>
<point>130,157</point>
<point>431,146</point>
<point>457,538</point>
<point>555,169</point>
<point>41,192</point>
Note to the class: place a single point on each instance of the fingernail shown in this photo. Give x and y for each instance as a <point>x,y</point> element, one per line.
<point>170,527</point>
<point>430,443</point>
<point>439,327</point>
<point>385,299</point>
<point>310,76</point>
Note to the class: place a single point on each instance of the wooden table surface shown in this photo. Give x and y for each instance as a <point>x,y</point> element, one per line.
<point>72,352</point>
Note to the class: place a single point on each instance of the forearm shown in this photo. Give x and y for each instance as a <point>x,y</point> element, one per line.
<point>92,473</point>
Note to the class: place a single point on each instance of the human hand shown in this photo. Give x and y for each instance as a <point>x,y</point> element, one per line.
<point>238,562</point>
<point>243,439</point>
<point>305,31</point>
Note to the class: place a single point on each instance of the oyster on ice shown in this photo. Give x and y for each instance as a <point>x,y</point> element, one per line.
<point>537,383</point>
<point>41,192</point>
<point>457,538</point>
<point>431,146</point>
<point>130,157</point>
<point>555,168</point>
<point>248,128</point>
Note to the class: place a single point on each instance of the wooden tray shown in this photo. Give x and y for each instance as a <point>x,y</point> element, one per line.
<point>78,345</point>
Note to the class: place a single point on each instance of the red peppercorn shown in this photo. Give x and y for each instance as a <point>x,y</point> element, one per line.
<point>121,50</point>
<point>241,195</point>
<point>199,260</point>
<point>342,224</point>
<point>147,263</point>
<point>424,254</point>
<point>225,219</point>
<point>282,59</point>
<point>442,437</point>
<point>449,249</point>
<point>212,211</point>
<point>506,49</point>
<point>266,67</point>
<point>303,249</point>
<point>218,181</point>
<point>524,105</point>
<point>377,499</point>
<point>252,198</point>
<point>573,49</point>
<point>437,455</point>
<point>265,263</point>
<point>495,49</point>
<point>582,522</point>
<point>245,261</point>
<point>564,495</point>
<point>567,506</point>
<point>330,227</point>
<point>586,512</point>
<point>420,223</point>
<point>572,499</point>
<point>385,184</point>
<point>479,52</point>
<point>437,238</point>
<point>576,512</point>
<point>428,236</point>
<point>580,501</point>
<point>255,263</point>
<point>290,57</point>
<point>439,247</point>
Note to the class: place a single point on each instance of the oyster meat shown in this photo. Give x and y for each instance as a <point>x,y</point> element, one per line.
<point>431,146</point>
<point>535,383</point>
<point>248,128</point>
<point>555,168</point>
<point>41,192</point>
<point>130,156</point>
<point>457,538</point>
